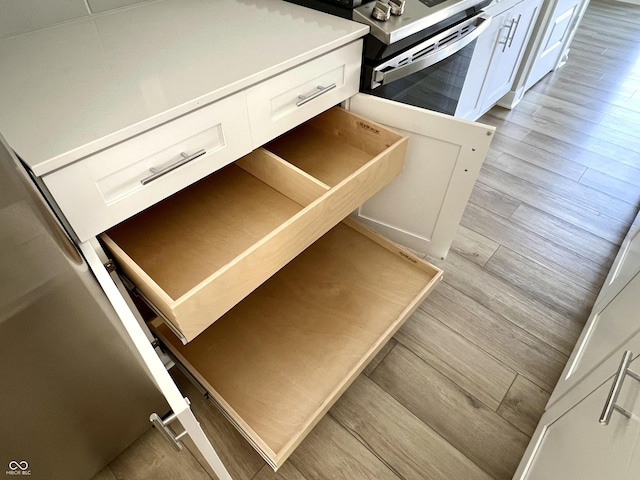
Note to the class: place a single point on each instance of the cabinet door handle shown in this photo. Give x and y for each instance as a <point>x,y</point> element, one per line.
<point>515,29</point>
<point>610,405</point>
<point>506,39</point>
<point>320,90</point>
<point>155,174</point>
<point>162,424</point>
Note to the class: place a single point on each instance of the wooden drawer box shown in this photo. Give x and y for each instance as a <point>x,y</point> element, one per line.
<point>281,358</point>
<point>198,253</point>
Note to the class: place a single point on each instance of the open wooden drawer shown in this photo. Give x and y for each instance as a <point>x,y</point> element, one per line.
<point>198,253</point>
<point>277,361</point>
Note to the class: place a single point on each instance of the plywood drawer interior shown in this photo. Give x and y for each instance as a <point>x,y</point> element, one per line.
<point>198,253</point>
<point>277,361</point>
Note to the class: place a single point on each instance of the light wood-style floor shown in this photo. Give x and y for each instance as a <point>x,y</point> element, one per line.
<point>458,391</point>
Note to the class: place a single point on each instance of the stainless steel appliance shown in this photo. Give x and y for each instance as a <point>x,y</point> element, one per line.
<point>418,51</point>
<point>73,394</point>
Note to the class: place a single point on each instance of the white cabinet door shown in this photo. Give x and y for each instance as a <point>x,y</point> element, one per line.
<point>576,446</point>
<point>516,28</point>
<point>471,98</point>
<point>611,324</point>
<point>558,30</point>
<point>497,56</point>
<point>624,268</point>
<point>422,207</point>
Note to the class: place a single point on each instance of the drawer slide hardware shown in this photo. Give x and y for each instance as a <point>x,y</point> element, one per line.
<point>136,291</point>
<point>610,405</point>
<point>162,424</point>
<point>185,158</point>
<point>194,381</point>
<point>319,91</point>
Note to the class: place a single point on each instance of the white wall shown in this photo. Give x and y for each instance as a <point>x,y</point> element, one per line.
<point>20,16</point>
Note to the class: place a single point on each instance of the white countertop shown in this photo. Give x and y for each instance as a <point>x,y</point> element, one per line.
<point>70,90</point>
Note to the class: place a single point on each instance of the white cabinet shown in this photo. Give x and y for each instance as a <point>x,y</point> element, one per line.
<point>554,42</point>
<point>497,56</point>
<point>570,442</point>
<point>288,309</point>
<point>270,301</point>
<point>549,45</point>
<point>614,320</point>
<point>576,446</point>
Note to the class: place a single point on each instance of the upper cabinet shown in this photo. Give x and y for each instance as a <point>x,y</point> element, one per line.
<point>497,56</point>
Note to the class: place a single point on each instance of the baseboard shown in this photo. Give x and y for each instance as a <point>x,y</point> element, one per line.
<point>511,99</point>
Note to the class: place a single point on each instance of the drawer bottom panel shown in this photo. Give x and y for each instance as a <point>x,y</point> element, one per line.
<point>280,359</point>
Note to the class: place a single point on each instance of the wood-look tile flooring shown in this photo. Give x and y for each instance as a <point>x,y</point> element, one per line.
<point>458,391</point>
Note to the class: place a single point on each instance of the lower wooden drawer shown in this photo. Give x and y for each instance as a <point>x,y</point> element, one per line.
<point>280,359</point>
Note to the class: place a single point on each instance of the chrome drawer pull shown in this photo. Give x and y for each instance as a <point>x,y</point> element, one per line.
<point>320,90</point>
<point>515,29</point>
<point>155,174</point>
<point>506,39</point>
<point>162,424</point>
<point>610,405</point>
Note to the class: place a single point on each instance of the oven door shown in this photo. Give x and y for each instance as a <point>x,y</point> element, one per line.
<point>430,74</point>
<point>423,206</point>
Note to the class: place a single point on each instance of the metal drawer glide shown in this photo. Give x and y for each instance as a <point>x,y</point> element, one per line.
<point>133,289</point>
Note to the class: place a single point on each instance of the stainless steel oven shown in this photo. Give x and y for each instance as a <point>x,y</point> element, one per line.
<point>418,51</point>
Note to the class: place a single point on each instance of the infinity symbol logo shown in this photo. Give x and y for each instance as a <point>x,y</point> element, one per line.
<point>23,465</point>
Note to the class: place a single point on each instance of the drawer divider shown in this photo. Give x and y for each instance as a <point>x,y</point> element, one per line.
<point>300,187</point>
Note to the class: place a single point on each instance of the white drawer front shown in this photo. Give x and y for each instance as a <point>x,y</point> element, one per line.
<point>106,188</point>
<point>274,105</point>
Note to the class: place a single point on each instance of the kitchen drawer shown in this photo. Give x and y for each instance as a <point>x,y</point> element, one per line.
<point>106,188</point>
<point>281,358</point>
<point>275,105</point>
<point>200,252</point>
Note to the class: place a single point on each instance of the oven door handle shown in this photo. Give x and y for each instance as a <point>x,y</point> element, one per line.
<point>429,52</point>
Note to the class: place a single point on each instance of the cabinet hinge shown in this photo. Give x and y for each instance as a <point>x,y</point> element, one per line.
<point>110,265</point>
